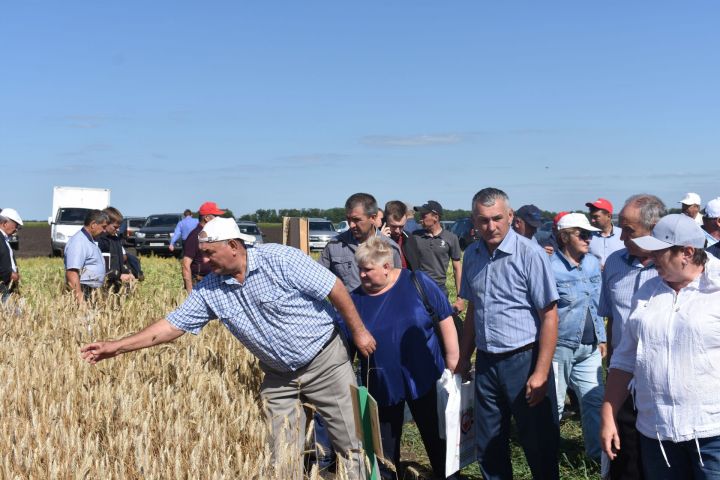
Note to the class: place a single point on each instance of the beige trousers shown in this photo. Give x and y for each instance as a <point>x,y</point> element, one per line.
<point>323,384</point>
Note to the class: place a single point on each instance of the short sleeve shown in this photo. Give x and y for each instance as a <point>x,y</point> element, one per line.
<point>436,297</point>
<point>455,251</point>
<point>541,281</point>
<point>464,280</point>
<point>74,256</point>
<point>190,246</point>
<point>193,314</point>
<point>307,275</point>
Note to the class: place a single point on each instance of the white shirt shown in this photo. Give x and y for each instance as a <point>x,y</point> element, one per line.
<point>671,345</point>
<point>12,256</point>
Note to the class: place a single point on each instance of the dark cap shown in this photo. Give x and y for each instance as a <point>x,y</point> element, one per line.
<point>530,214</point>
<point>430,206</point>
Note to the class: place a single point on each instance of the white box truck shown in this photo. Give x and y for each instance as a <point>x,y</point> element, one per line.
<point>70,205</point>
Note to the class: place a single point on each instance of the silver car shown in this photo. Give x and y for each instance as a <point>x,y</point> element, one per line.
<point>321,232</point>
<point>251,228</point>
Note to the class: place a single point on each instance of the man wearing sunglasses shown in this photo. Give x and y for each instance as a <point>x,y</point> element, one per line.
<point>273,299</point>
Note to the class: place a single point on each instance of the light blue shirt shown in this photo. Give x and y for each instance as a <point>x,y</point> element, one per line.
<point>183,229</point>
<point>280,312</point>
<point>622,276</point>
<point>83,254</point>
<point>507,288</point>
<point>579,290</point>
<point>602,247</point>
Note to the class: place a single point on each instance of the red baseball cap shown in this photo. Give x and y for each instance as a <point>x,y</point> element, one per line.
<point>601,204</point>
<point>558,217</point>
<point>210,208</point>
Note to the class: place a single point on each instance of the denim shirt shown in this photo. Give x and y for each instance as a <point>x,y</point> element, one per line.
<point>579,290</point>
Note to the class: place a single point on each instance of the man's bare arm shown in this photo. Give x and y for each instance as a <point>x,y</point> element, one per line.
<point>159,332</point>
<point>362,338</point>
<point>72,277</point>
<point>467,342</point>
<point>187,274</point>
<point>457,271</point>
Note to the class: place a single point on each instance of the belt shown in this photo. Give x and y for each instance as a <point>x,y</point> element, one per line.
<point>524,348</point>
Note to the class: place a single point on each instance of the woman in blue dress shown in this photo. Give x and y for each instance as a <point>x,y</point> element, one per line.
<point>408,360</point>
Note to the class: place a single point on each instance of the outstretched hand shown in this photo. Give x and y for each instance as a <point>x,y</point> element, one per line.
<point>95,352</point>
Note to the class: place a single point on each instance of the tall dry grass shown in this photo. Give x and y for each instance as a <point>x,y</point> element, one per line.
<point>189,409</point>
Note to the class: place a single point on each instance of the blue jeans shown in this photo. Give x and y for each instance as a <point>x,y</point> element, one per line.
<point>683,457</point>
<point>499,394</point>
<point>581,368</point>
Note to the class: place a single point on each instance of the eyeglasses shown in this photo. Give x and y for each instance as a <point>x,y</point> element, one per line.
<point>583,234</point>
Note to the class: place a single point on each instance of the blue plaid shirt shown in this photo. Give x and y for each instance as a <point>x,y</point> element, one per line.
<point>280,312</point>
<point>622,276</point>
<point>507,289</point>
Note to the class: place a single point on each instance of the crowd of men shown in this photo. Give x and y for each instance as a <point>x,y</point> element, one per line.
<point>282,306</point>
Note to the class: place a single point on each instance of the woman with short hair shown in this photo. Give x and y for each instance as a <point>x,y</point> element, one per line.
<point>670,357</point>
<point>408,360</point>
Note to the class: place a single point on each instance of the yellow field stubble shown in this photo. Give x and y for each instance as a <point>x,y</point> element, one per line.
<point>189,409</point>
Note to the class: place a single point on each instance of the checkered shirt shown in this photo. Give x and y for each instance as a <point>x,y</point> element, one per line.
<point>280,312</point>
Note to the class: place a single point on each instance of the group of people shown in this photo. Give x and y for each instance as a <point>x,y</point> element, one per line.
<point>95,259</point>
<point>540,317</point>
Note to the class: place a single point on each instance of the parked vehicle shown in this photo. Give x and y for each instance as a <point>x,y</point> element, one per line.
<point>70,206</point>
<point>544,232</point>
<point>321,232</point>
<point>14,241</point>
<point>128,228</point>
<point>446,224</point>
<point>251,228</point>
<point>342,227</point>
<point>465,231</point>
<point>154,236</point>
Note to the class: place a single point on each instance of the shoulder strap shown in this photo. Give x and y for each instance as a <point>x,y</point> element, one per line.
<point>421,291</point>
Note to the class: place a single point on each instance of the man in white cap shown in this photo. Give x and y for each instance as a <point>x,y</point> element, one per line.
<point>690,206</point>
<point>711,221</point>
<point>273,299</point>
<point>10,222</point>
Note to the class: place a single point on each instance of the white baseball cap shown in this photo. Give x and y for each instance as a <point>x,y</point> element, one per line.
<point>673,230</point>
<point>691,198</point>
<point>219,229</point>
<point>712,209</point>
<point>12,214</point>
<point>575,220</point>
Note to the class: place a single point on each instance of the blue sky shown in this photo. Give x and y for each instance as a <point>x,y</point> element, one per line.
<point>300,104</point>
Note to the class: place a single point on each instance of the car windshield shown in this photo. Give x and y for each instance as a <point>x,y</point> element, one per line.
<point>136,223</point>
<point>72,216</point>
<point>249,229</point>
<point>162,221</point>
<point>322,226</point>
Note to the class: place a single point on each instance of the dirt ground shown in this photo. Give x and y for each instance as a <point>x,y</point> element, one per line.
<point>35,241</point>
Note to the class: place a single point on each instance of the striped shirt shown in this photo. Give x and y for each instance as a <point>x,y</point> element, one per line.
<point>508,289</point>
<point>279,312</point>
<point>622,277</point>
<point>602,247</point>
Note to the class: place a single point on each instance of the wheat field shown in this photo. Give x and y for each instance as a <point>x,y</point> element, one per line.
<point>188,409</point>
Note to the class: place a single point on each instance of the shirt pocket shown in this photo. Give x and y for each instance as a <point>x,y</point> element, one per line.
<point>567,293</point>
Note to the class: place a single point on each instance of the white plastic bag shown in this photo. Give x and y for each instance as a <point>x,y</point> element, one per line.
<point>449,418</point>
<point>466,443</point>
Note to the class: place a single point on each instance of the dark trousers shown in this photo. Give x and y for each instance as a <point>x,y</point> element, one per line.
<point>628,463</point>
<point>684,459</point>
<point>424,411</point>
<point>499,394</point>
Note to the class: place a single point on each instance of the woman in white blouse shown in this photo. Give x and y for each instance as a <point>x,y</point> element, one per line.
<point>669,357</point>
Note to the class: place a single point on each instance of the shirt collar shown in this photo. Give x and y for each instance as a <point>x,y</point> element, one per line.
<point>613,232</point>
<point>87,234</point>
<point>566,260</point>
<point>427,233</point>
<point>506,246</point>
<point>633,261</point>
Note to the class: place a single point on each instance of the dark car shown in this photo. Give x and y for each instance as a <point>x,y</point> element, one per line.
<point>14,241</point>
<point>465,231</point>
<point>128,228</point>
<point>154,236</point>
